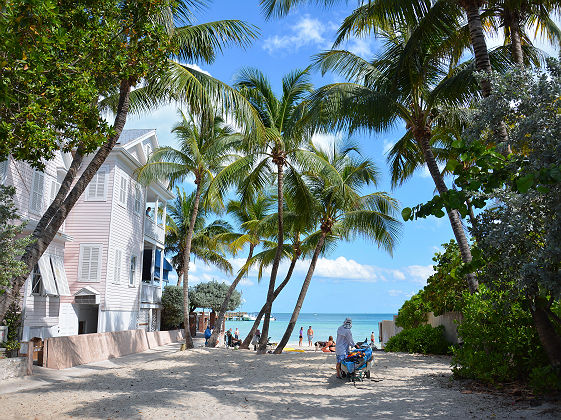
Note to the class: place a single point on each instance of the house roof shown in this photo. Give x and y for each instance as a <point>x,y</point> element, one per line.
<point>128,136</point>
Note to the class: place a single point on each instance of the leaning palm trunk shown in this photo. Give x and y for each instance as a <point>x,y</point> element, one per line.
<point>453,215</point>
<point>247,341</point>
<point>213,340</point>
<point>186,260</point>
<point>513,24</point>
<point>66,198</point>
<point>303,291</point>
<point>270,292</point>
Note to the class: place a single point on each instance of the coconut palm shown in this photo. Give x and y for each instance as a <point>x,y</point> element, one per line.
<point>206,243</point>
<point>411,85</point>
<point>267,157</point>
<point>205,144</point>
<point>249,215</point>
<point>342,212</point>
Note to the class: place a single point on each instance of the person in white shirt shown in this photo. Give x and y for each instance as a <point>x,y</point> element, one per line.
<point>344,341</point>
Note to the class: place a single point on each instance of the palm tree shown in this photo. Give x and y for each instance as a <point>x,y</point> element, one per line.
<point>343,212</point>
<point>206,243</point>
<point>249,215</point>
<point>195,43</point>
<point>274,150</point>
<point>409,84</point>
<point>205,145</point>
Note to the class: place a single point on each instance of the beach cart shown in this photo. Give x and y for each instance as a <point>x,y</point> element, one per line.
<point>357,365</point>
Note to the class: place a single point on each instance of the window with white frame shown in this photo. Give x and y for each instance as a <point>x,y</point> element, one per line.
<point>118,263</point>
<point>137,199</point>
<point>89,267</point>
<point>55,186</point>
<point>132,272</point>
<point>36,283</point>
<point>122,179</point>
<point>37,190</point>
<point>97,188</point>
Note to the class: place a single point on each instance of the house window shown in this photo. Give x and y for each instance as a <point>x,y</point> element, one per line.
<point>36,283</point>
<point>36,199</point>
<point>117,271</point>
<point>55,186</point>
<point>137,199</point>
<point>97,188</point>
<point>90,263</point>
<point>123,190</point>
<point>132,274</point>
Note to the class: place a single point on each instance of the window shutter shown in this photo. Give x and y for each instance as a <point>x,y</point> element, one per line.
<point>97,187</point>
<point>49,284</point>
<point>117,271</point>
<point>55,186</point>
<point>3,170</point>
<point>137,199</point>
<point>36,202</point>
<point>60,275</point>
<point>123,190</point>
<point>132,273</point>
<point>94,264</point>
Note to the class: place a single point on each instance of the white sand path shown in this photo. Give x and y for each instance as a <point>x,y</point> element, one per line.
<point>238,384</point>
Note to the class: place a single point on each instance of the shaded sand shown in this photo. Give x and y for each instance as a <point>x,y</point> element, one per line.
<point>232,384</point>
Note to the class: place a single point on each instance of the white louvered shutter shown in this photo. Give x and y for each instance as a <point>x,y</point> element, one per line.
<point>123,190</point>
<point>118,264</point>
<point>60,275</point>
<point>37,189</point>
<point>49,285</point>
<point>90,264</point>
<point>97,187</point>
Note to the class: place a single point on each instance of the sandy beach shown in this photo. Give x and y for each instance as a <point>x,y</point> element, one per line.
<point>220,383</point>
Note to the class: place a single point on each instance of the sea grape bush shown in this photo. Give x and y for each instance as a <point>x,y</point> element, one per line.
<point>500,342</point>
<point>423,339</point>
<point>172,307</point>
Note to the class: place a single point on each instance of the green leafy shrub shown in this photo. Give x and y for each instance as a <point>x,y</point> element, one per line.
<point>545,379</point>
<point>172,304</point>
<point>424,339</point>
<point>500,342</point>
<point>413,312</point>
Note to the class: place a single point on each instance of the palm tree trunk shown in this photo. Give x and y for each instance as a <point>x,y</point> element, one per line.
<point>213,340</point>
<point>549,337</point>
<point>472,218</point>
<point>512,21</point>
<point>453,215</point>
<point>247,341</point>
<point>269,303</point>
<point>55,215</point>
<point>186,260</point>
<point>482,62</point>
<point>302,296</point>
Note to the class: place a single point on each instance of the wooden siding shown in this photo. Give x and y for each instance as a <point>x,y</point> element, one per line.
<point>126,234</point>
<point>88,223</point>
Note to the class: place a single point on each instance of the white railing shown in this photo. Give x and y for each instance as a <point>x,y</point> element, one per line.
<point>150,293</point>
<point>154,231</point>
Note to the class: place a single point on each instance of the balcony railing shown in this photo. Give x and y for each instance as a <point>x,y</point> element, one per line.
<point>150,293</point>
<point>153,231</point>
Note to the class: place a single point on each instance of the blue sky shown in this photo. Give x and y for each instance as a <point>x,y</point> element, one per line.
<point>357,277</point>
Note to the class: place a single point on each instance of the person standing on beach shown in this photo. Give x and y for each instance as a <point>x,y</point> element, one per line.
<point>208,333</point>
<point>301,336</point>
<point>310,334</point>
<point>372,338</point>
<point>236,333</point>
<point>344,341</point>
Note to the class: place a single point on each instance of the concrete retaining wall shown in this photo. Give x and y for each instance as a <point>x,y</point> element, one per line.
<point>65,352</point>
<point>450,321</point>
<point>161,338</point>
<point>13,367</point>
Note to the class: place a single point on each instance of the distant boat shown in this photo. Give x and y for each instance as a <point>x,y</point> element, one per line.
<point>250,318</point>
<point>273,318</point>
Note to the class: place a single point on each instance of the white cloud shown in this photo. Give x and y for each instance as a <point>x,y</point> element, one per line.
<point>361,47</point>
<point>388,144</point>
<point>196,67</point>
<point>420,273</point>
<point>325,141</point>
<point>306,32</point>
<point>394,292</point>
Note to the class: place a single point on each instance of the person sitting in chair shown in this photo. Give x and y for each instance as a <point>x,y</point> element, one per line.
<point>329,346</point>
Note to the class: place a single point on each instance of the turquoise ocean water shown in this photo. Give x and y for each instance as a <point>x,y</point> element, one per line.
<point>323,325</point>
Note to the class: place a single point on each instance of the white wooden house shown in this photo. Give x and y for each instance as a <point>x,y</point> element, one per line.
<point>100,272</point>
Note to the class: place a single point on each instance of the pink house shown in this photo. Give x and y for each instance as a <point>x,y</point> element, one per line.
<point>105,268</point>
